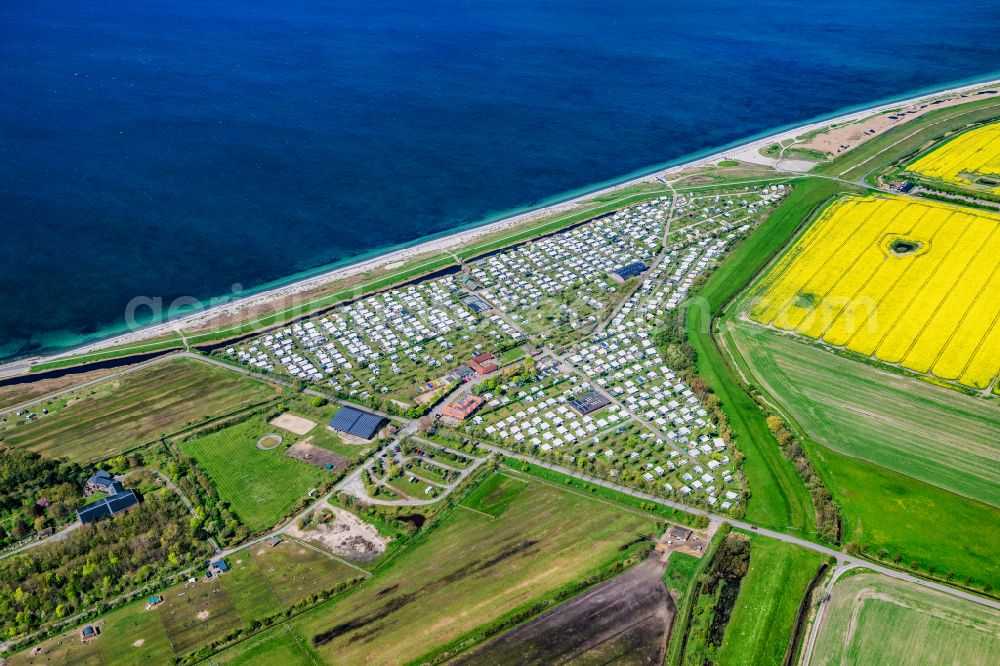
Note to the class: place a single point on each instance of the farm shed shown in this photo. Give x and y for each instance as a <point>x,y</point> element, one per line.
<point>356,422</point>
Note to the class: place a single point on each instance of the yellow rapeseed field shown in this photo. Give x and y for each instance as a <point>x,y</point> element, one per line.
<point>965,159</point>
<point>910,282</point>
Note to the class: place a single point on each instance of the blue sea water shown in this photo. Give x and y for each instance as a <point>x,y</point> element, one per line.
<point>174,149</point>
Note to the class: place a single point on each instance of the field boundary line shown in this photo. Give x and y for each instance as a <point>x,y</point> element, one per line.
<point>904,279</point>
<point>263,575</point>
<point>930,280</point>
<point>961,324</point>
<point>481,513</point>
<point>947,294</point>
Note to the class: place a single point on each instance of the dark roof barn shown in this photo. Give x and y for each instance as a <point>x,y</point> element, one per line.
<point>356,422</point>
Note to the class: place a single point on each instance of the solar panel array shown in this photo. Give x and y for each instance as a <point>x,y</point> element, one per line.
<point>589,403</point>
<point>634,269</point>
<point>356,422</point>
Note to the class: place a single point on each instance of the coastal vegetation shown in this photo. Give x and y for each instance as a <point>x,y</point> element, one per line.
<point>832,445</point>
<point>97,563</point>
<point>36,493</point>
<point>264,586</point>
<point>380,279</point>
<point>866,160</point>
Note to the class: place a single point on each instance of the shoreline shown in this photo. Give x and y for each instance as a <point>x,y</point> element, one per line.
<point>391,258</point>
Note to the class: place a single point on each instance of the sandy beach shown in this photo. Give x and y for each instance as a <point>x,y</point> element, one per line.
<point>746,152</point>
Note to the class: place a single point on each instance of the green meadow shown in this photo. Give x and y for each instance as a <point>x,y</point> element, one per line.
<point>767,606</point>
<point>260,486</point>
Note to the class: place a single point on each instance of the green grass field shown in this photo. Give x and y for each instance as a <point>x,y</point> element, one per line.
<point>259,584</point>
<point>105,419</point>
<point>890,514</point>
<point>874,619</point>
<point>294,571</point>
<point>260,486</point>
<point>681,568</point>
<point>469,571</point>
<point>280,645</point>
<point>494,494</point>
<point>763,618</point>
<point>606,494</point>
<point>779,498</point>
<point>936,435</point>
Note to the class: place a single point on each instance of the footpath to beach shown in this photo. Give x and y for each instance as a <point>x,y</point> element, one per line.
<point>749,152</point>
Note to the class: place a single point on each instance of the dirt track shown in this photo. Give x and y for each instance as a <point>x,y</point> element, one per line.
<point>622,621</point>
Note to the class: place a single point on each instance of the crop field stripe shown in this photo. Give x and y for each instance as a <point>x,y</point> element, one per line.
<point>899,299</point>
<point>792,314</point>
<point>877,619</point>
<point>888,419</point>
<point>985,364</point>
<point>957,355</point>
<point>940,327</point>
<point>874,261</point>
<point>938,303</point>
<point>880,286</point>
<point>976,151</point>
<point>871,290</point>
<point>469,572</point>
<point>779,296</point>
<point>861,260</point>
<point>946,273</point>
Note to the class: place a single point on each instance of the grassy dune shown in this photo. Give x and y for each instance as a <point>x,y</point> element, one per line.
<point>106,419</point>
<point>873,619</point>
<point>883,149</point>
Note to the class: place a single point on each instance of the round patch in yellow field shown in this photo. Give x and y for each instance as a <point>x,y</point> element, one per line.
<point>906,281</point>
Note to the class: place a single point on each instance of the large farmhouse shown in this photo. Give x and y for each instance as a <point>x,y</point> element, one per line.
<point>119,498</point>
